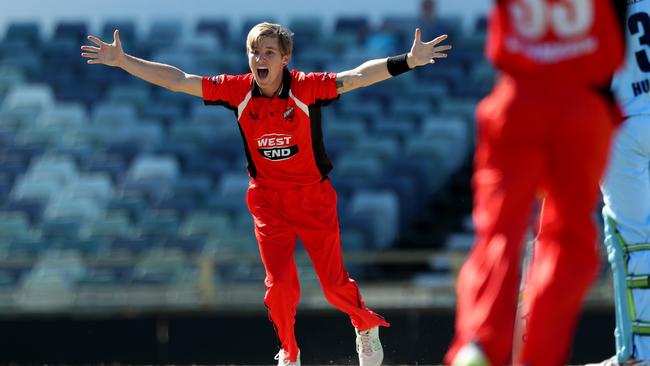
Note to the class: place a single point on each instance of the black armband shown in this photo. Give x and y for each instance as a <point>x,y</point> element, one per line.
<point>397,64</point>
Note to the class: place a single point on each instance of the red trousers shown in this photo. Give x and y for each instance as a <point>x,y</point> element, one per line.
<point>280,216</point>
<point>533,135</point>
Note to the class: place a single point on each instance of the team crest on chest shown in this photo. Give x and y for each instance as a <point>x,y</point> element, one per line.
<point>288,114</point>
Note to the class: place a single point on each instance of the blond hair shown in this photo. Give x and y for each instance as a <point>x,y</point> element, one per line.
<point>285,37</point>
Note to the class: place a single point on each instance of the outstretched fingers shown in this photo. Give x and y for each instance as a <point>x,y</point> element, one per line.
<point>96,41</point>
<point>442,48</point>
<point>116,37</point>
<point>437,40</point>
<point>90,48</point>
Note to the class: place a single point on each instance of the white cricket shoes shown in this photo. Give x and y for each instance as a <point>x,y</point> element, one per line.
<point>284,361</point>
<point>369,347</point>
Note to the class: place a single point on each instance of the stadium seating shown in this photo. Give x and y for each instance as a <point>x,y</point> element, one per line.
<point>133,182</point>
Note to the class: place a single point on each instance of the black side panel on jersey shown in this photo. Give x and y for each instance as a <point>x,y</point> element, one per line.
<point>252,169</point>
<point>221,103</point>
<point>323,163</point>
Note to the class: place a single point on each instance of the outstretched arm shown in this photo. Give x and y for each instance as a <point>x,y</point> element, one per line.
<point>370,72</point>
<point>163,75</point>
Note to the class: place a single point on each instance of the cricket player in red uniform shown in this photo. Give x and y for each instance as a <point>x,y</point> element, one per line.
<point>289,196</point>
<point>546,126</point>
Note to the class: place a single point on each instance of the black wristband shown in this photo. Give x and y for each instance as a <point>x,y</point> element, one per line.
<point>397,64</point>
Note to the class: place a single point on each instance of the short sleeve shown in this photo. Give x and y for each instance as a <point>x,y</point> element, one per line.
<point>226,90</point>
<point>319,87</point>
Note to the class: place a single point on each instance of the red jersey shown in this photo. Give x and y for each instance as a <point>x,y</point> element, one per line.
<point>282,135</point>
<point>569,40</point>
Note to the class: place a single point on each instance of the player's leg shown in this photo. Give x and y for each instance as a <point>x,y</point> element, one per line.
<point>277,242</point>
<point>626,192</point>
<point>319,230</point>
<point>508,168</point>
<point>617,258</point>
<point>567,257</point>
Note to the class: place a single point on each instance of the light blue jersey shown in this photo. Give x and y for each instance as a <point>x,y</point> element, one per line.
<point>626,191</point>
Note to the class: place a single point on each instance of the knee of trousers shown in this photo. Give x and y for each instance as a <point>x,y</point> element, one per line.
<point>282,291</point>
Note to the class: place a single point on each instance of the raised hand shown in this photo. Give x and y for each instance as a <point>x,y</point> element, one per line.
<point>423,53</point>
<point>110,54</point>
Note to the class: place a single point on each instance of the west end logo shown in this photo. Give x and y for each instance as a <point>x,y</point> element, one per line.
<point>275,146</point>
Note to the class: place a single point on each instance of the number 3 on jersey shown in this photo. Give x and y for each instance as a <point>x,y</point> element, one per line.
<point>566,18</point>
<point>640,22</point>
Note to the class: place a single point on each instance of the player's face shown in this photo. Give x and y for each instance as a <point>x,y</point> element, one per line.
<point>266,63</point>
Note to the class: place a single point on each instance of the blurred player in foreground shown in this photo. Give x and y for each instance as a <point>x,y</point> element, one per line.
<point>626,193</point>
<point>289,194</point>
<point>546,126</point>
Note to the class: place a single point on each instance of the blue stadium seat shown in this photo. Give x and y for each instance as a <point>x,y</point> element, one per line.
<point>29,96</point>
<point>69,115</point>
<point>113,226</point>
<point>189,245</point>
<point>203,223</point>
<point>9,77</point>
<point>88,247</point>
<point>131,247</point>
<point>352,24</point>
<point>27,32</point>
<point>72,30</point>
<point>158,224</point>
<point>61,169</point>
<point>101,277</point>
<point>218,27</point>
<point>60,229</point>
<point>112,165</point>
<point>179,205</point>
<point>162,34</point>
<point>35,189</point>
<point>230,195</point>
<point>198,186</point>
<point>167,111</point>
<point>163,267</point>
<point>154,167</point>
<point>382,208</point>
<point>307,30</point>
<point>136,95</point>
<point>114,114</point>
<point>367,168</point>
<point>32,208</point>
<point>359,107</point>
<point>27,248</point>
<point>14,225</point>
<point>183,151</point>
<point>386,148</point>
<point>198,134</point>
<point>81,209</point>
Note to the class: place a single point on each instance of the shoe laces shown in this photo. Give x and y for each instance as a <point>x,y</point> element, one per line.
<point>282,356</point>
<point>364,342</point>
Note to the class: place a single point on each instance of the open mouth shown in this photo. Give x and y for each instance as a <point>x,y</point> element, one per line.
<point>262,73</point>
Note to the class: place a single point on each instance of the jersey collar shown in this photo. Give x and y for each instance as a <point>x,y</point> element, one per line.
<point>286,85</point>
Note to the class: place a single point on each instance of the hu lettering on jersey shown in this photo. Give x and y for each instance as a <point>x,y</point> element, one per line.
<point>275,146</point>
<point>641,87</point>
